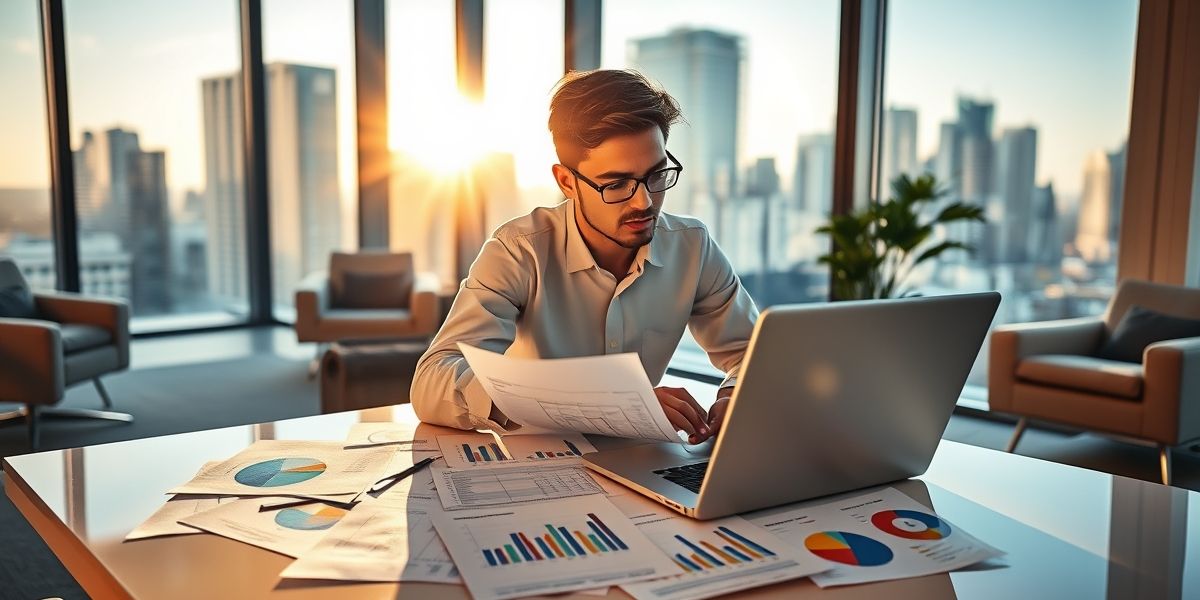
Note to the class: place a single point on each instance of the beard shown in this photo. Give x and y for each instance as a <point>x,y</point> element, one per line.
<point>641,239</point>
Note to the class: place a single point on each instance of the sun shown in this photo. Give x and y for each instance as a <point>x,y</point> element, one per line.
<point>447,135</point>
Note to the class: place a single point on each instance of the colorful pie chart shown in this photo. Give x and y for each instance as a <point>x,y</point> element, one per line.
<point>306,518</point>
<point>848,548</point>
<point>911,524</point>
<point>279,472</point>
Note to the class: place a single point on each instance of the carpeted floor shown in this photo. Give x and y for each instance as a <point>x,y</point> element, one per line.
<point>163,401</point>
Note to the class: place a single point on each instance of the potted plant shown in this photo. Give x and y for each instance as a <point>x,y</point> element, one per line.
<point>876,249</point>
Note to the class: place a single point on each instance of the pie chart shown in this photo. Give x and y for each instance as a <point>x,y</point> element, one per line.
<point>309,519</point>
<point>911,524</point>
<point>848,548</point>
<point>279,472</point>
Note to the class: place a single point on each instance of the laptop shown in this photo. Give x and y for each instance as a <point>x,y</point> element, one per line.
<point>831,398</point>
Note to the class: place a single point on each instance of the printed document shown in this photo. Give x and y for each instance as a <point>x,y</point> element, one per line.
<point>468,488</point>
<point>286,468</point>
<point>547,548</point>
<point>289,531</point>
<point>876,536</point>
<point>606,395</point>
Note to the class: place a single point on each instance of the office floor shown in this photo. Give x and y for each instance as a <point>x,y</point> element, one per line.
<point>266,365</point>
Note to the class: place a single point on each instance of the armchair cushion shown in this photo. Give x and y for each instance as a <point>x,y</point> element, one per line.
<point>375,290</point>
<point>16,302</point>
<point>76,338</point>
<point>1108,377</point>
<point>1141,327</point>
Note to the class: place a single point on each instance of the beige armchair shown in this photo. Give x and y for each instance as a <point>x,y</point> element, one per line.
<point>63,339</point>
<point>365,295</point>
<point>1048,371</point>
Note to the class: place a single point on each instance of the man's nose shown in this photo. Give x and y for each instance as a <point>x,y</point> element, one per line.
<point>641,198</point>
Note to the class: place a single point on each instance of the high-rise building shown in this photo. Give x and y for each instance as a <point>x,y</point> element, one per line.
<point>701,68</point>
<point>1016,164</point>
<point>947,163</point>
<point>899,147</point>
<point>762,179</point>
<point>122,192</point>
<point>1044,236</point>
<point>975,135</point>
<point>1092,235</point>
<point>813,176</point>
<point>303,165</point>
<point>1116,191</point>
<point>225,206</point>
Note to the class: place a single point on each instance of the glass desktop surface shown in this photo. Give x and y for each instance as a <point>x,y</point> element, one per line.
<point>1068,532</point>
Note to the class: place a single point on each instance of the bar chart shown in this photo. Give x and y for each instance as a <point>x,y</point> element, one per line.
<point>556,542</point>
<point>546,447</point>
<point>730,548</point>
<point>483,453</point>
<point>473,450</point>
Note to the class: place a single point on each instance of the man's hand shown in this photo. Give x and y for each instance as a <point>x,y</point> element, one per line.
<point>716,415</point>
<point>684,413</point>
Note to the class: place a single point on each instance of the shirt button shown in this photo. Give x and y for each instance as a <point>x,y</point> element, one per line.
<point>612,344</point>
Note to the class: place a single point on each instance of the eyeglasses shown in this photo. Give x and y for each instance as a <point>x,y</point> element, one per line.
<point>621,190</point>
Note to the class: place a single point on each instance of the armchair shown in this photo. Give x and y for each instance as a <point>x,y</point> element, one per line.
<point>63,339</point>
<point>1049,371</point>
<point>365,295</point>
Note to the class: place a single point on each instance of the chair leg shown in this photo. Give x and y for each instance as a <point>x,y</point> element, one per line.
<point>314,366</point>
<point>103,393</point>
<point>31,418</point>
<point>1016,436</point>
<point>1164,463</point>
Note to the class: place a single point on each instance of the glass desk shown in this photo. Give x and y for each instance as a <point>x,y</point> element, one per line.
<point>1068,532</point>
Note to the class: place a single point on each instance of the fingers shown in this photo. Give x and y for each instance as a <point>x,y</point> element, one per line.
<point>686,396</point>
<point>716,418</point>
<point>687,418</point>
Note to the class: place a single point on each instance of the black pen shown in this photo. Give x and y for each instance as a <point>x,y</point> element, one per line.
<point>380,486</point>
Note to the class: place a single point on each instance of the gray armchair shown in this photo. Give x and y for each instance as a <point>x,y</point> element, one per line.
<point>63,340</point>
<point>1049,371</point>
<point>365,295</point>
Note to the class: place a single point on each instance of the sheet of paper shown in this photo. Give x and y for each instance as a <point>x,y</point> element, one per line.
<point>390,538</point>
<point>559,447</point>
<point>711,557</point>
<point>876,536</point>
<point>285,467</point>
<point>165,521</point>
<point>288,531</point>
<point>470,450</point>
<point>548,547</point>
<point>606,395</point>
<point>468,488</point>
<point>402,436</point>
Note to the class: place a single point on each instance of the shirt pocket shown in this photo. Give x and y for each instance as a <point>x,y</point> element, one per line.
<point>657,349</point>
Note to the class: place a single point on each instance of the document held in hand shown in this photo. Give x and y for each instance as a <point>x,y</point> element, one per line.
<point>606,395</point>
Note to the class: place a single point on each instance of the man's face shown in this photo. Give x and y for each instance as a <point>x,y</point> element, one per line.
<point>629,224</point>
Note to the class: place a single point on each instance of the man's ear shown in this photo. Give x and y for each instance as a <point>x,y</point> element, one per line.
<point>565,180</point>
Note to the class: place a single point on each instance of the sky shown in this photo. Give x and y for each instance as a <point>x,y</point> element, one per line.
<point>1061,66</point>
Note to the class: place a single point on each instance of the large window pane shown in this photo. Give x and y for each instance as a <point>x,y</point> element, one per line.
<point>25,233</point>
<point>156,125</point>
<point>758,87</point>
<point>311,138</point>
<point>1022,108</point>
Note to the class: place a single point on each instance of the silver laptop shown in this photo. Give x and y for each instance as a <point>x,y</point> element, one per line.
<point>831,397</point>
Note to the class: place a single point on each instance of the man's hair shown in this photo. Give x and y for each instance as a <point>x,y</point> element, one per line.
<point>589,107</point>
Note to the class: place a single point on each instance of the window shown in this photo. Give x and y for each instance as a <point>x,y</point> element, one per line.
<point>1021,108</point>
<point>155,99</point>
<point>25,227</point>
<point>758,88</point>
<point>308,48</point>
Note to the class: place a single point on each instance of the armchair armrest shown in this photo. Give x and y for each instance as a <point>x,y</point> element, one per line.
<point>312,300</point>
<point>109,314</point>
<point>1011,343</point>
<point>31,361</point>
<point>423,309</point>
<point>1171,370</point>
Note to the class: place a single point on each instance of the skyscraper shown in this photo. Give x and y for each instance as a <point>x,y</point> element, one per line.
<point>302,150</point>
<point>122,192</point>
<point>1116,191</point>
<point>975,135</point>
<point>899,147</point>
<point>1016,164</point>
<point>1092,236</point>
<point>701,68</point>
<point>225,206</point>
<point>947,163</point>
<point>813,176</point>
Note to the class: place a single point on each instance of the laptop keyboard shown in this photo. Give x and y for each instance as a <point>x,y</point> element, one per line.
<point>688,476</point>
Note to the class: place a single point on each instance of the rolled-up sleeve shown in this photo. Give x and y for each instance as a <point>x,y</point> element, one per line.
<point>723,313</point>
<point>484,314</point>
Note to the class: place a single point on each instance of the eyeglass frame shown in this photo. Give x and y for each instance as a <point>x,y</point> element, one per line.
<point>678,168</point>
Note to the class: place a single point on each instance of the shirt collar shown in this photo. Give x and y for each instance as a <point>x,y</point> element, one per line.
<point>579,257</point>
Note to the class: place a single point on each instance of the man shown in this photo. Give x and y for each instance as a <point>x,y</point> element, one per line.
<point>604,272</point>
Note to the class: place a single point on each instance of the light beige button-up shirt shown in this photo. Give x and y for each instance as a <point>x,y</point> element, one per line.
<point>535,291</point>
